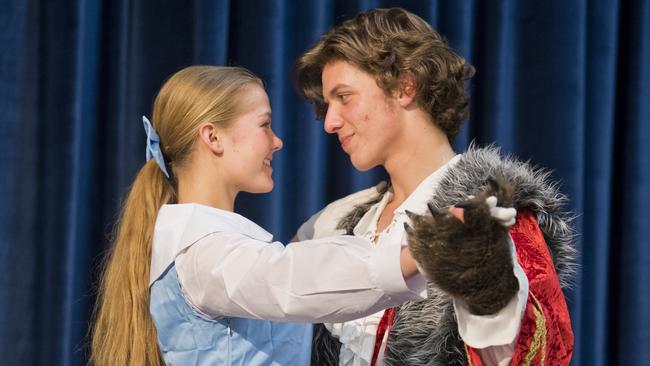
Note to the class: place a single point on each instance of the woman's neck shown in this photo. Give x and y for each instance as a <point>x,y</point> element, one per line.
<point>197,187</point>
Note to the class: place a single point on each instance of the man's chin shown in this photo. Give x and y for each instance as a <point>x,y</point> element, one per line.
<point>362,166</point>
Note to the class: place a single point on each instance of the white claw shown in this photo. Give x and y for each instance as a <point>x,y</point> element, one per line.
<point>491,202</point>
<point>505,216</point>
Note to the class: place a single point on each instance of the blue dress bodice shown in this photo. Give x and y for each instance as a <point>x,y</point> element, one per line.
<point>187,337</point>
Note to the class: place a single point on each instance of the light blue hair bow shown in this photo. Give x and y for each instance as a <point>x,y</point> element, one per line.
<point>153,146</point>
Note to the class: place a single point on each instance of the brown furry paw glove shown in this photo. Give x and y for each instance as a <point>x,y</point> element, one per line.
<point>469,260</point>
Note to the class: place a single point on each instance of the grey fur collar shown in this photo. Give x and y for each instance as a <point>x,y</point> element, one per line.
<point>533,191</point>
<point>425,332</point>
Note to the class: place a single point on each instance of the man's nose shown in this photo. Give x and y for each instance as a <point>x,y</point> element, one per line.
<point>332,121</point>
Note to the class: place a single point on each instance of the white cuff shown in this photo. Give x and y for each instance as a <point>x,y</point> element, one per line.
<point>388,272</point>
<point>496,329</point>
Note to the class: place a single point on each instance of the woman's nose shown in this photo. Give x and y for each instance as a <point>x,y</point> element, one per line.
<point>277,143</point>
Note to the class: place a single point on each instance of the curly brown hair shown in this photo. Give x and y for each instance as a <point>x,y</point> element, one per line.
<point>389,44</point>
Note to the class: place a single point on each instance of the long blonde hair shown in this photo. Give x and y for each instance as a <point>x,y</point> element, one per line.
<point>123,332</point>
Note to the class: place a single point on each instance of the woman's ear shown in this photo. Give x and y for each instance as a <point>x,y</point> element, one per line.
<point>209,136</point>
<point>406,92</point>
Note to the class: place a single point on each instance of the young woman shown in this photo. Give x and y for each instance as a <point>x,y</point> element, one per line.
<point>188,281</point>
<point>393,91</point>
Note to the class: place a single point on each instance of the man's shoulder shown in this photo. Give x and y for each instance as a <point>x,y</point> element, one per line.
<point>325,222</point>
<point>350,201</point>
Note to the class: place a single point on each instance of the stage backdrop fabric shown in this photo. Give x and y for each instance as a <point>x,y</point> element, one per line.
<point>564,84</point>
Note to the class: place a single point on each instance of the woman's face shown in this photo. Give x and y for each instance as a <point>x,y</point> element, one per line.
<point>249,144</point>
<point>360,113</point>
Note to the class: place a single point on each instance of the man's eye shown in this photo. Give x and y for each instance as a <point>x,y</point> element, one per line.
<point>343,97</point>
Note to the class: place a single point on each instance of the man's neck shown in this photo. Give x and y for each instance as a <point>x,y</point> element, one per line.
<point>423,150</point>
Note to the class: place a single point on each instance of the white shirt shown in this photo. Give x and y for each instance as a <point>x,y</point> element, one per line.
<point>493,335</point>
<point>228,266</point>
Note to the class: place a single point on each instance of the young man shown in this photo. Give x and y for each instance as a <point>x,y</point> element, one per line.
<point>393,91</point>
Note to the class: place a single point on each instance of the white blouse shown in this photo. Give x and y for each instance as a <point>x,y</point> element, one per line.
<point>494,336</point>
<point>228,266</point>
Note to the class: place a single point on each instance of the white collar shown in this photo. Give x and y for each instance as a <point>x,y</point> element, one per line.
<point>181,225</point>
<point>416,202</point>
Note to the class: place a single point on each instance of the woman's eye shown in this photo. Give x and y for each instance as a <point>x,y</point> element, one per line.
<point>266,124</point>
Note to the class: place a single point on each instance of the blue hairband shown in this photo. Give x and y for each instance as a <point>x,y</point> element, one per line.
<point>153,146</point>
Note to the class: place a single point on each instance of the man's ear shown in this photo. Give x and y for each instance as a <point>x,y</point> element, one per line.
<point>406,90</point>
<point>208,135</point>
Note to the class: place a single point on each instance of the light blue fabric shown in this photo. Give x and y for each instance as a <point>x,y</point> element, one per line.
<point>188,338</point>
<point>153,145</point>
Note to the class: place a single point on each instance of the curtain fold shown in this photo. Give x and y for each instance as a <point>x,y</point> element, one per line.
<point>565,85</point>
<point>630,272</point>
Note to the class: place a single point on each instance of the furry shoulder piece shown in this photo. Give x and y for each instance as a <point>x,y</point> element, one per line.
<point>425,332</point>
<point>533,191</point>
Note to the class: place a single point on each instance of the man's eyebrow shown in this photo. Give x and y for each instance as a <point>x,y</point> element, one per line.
<point>333,91</point>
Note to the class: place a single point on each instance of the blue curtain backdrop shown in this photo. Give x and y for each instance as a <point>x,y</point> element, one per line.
<point>565,84</point>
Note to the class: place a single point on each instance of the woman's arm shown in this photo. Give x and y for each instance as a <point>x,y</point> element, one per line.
<point>325,280</point>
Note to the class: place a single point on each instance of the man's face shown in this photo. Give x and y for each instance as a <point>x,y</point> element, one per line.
<point>360,113</point>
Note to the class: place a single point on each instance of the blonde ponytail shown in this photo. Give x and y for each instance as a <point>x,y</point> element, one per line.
<point>123,332</point>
